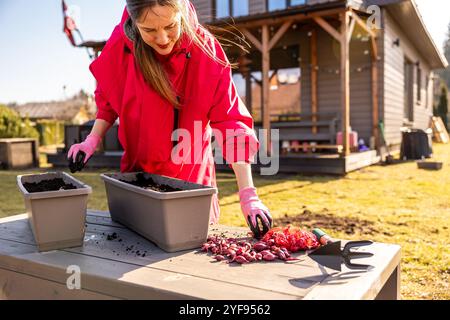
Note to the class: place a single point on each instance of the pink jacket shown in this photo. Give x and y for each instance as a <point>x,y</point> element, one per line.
<point>208,97</point>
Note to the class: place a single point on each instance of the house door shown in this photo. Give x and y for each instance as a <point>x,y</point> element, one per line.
<point>408,111</point>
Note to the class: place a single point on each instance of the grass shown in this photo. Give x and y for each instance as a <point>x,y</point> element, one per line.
<point>398,204</point>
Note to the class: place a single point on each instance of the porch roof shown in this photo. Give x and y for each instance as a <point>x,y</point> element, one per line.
<point>405,12</point>
<point>409,18</point>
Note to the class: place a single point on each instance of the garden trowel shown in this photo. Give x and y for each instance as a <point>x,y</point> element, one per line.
<point>331,255</point>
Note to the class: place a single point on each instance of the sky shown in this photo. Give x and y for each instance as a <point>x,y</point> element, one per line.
<point>37,61</point>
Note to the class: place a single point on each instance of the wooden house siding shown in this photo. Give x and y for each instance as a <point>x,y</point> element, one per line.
<point>206,14</point>
<point>256,6</point>
<point>329,84</point>
<point>204,10</point>
<point>390,71</point>
<point>393,94</point>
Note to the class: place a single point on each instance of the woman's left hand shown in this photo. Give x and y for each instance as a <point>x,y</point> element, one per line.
<point>255,212</point>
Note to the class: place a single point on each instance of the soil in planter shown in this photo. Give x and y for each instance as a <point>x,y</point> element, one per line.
<point>149,183</point>
<point>56,184</point>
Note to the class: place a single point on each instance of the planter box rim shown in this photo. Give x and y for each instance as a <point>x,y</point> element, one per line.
<point>82,188</point>
<point>201,191</point>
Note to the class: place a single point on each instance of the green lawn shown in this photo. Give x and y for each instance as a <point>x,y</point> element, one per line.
<point>395,204</point>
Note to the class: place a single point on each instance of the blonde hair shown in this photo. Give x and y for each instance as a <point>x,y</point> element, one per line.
<point>151,69</point>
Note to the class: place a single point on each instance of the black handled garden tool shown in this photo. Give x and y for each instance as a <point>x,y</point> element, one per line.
<point>331,255</point>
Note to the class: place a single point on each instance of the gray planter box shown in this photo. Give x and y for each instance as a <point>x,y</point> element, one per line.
<point>57,218</point>
<point>174,221</point>
<point>429,165</point>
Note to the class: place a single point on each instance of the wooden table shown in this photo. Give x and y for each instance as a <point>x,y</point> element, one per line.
<point>109,271</point>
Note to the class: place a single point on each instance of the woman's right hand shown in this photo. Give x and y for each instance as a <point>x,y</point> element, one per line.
<point>88,146</point>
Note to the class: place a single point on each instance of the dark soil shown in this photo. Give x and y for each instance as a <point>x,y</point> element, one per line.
<point>328,222</point>
<point>129,249</point>
<point>56,184</point>
<point>149,183</point>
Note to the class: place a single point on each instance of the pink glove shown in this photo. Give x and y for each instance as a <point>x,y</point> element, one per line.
<point>255,210</point>
<point>88,146</point>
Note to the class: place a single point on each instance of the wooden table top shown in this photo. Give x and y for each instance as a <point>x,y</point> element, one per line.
<point>114,269</point>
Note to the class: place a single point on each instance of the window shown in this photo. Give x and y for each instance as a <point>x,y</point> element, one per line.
<point>277,5</point>
<point>273,5</point>
<point>240,8</point>
<point>235,8</point>
<point>222,8</point>
<point>297,2</point>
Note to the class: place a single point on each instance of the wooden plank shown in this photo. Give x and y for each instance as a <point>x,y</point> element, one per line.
<point>391,290</point>
<point>178,275</point>
<point>278,20</point>
<point>279,34</point>
<point>274,283</point>
<point>439,131</point>
<point>345,83</point>
<point>375,102</point>
<point>314,78</point>
<point>361,23</point>
<point>357,161</point>
<point>124,280</point>
<point>350,30</point>
<point>354,287</point>
<point>300,124</point>
<point>20,286</point>
<point>265,88</point>
<point>248,93</point>
<point>252,39</point>
<point>308,146</point>
<point>304,136</point>
<point>328,28</point>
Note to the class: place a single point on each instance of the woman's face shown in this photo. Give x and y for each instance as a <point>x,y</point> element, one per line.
<point>160,28</point>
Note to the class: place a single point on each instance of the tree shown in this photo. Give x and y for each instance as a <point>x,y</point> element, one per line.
<point>12,126</point>
<point>445,74</point>
<point>442,107</point>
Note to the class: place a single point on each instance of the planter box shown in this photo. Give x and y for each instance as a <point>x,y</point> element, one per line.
<point>19,153</point>
<point>57,218</point>
<point>174,221</point>
<point>429,165</point>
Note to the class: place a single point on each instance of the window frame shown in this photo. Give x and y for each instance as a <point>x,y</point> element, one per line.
<point>288,4</point>
<point>230,8</point>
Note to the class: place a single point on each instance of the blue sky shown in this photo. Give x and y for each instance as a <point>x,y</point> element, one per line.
<point>37,60</point>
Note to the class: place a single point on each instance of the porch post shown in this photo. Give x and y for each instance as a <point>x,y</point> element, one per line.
<point>345,82</point>
<point>375,112</point>
<point>375,97</point>
<point>248,93</point>
<point>314,79</point>
<point>265,86</point>
<point>265,46</point>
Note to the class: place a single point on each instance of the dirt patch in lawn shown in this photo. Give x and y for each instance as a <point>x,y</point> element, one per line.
<point>328,222</point>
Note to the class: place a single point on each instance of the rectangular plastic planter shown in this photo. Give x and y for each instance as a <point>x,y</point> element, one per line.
<point>429,165</point>
<point>174,221</point>
<point>57,218</point>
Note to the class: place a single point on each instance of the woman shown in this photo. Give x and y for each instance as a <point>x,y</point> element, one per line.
<point>161,71</point>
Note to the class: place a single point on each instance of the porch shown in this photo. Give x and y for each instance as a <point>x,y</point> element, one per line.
<point>333,49</point>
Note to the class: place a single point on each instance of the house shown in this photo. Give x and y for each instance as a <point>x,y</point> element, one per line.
<point>77,110</point>
<point>369,62</point>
